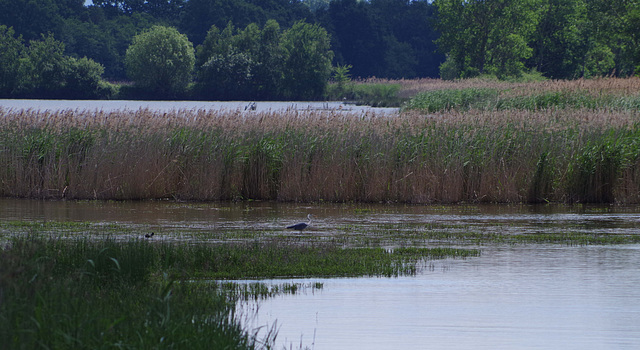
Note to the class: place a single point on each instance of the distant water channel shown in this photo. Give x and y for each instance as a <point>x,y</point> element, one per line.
<point>167,106</point>
<point>532,296</point>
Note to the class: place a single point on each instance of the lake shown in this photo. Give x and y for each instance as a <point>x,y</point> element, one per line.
<point>523,297</point>
<point>513,296</point>
<point>166,106</point>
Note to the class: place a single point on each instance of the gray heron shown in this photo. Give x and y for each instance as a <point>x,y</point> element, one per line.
<point>302,225</point>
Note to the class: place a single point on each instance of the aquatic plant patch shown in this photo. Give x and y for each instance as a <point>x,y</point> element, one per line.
<point>58,294</point>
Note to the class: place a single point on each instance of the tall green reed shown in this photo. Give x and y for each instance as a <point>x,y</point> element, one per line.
<point>366,93</point>
<point>81,294</point>
<point>520,98</point>
<point>447,99</point>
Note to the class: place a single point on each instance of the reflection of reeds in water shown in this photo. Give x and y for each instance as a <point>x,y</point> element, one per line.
<point>476,155</point>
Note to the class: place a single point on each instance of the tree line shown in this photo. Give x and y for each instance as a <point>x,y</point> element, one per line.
<point>242,44</point>
<point>560,39</point>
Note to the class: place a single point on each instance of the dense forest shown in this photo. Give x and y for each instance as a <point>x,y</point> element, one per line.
<point>70,48</point>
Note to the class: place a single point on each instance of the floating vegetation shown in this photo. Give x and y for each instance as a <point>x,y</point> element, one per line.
<point>262,290</point>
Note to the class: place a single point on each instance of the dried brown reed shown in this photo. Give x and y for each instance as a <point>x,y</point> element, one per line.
<point>473,156</point>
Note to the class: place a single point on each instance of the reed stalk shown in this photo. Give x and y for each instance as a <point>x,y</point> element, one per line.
<point>473,154</point>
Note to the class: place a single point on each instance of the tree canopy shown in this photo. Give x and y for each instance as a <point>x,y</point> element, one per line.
<point>264,63</point>
<point>160,60</point>
<point>40,69</point>
<point>559,39</point>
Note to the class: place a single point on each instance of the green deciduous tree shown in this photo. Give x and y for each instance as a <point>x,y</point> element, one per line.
<point>31,18</point>
<point>224,71</point>
<point>315,5</point>
<point>44,67</point>
<point>199,15</point>
<point>83,79</point>
<point>11,48</point>
<point>611,28</point>
<point>160,61</point>
<point>357,37</point>
<point>307,61</point>
<point>42,70</point>
<point>558,41</point>
<point>486,36</point>
<point>265,63</point>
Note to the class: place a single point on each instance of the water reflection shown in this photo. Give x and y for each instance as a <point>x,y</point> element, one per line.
<point>539,297</point>
<point>210,220</point>
<point>512,296</point>
<point>167,106</point>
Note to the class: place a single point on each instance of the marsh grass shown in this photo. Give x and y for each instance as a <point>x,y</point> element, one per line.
<point>620,94</point>
<point>448,99</point>
<point>281,259</point>
<point>370,93</point>
<point>261,290</point>
<point>56,295</point>
<point>593,87</point>
<point>106,294</point>
<point>528,152</point>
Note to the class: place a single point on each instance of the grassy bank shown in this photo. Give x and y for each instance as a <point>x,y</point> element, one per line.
<point>99,296</point>
<point>496,99</point>
<point>483,93</point>
<point>369,93</point>
<point>594,87</point>
<point>139,295</point>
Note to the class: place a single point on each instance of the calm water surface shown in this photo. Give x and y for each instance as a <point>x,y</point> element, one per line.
<point>511,297</point>
<point>166,106</point>
<point>534,297</point>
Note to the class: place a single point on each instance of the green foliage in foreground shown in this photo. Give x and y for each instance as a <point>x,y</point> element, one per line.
<point>82,295</point>
<point>106,294</point>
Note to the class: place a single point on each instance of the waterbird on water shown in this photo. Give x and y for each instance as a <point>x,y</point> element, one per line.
<point>149,235</point>
<point>302,225</point>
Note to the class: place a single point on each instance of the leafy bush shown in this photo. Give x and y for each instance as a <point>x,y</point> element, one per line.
<point>263,63</point>
<point>83,79</point>
<point>161,60</point>
<point>42,70</point>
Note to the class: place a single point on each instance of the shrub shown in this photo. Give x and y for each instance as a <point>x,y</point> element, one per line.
<point>161,60</point>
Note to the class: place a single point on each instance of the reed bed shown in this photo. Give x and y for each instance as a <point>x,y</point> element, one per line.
<point>476,155</point>
<point>595,87</point>
<point>495,95</point>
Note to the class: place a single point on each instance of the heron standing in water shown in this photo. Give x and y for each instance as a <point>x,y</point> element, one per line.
<point>302,225</point>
